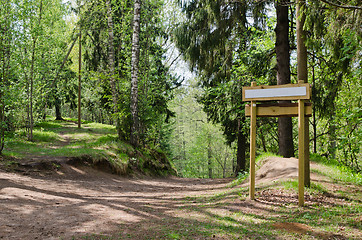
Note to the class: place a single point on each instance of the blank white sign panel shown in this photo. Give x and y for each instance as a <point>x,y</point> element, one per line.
<point>276,92</point>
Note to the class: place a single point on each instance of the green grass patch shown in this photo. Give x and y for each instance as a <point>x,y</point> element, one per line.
<point>39,135</point>
<point>315,188</point>
<point>93,140</point>
<point>242,176</point>
<point>290,185</point>
<point>334,170</point>
<point>75,120</point>
<point>48,124</point>
<point>264,156</point>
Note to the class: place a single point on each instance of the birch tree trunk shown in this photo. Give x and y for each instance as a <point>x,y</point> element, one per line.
<point>134,73</point>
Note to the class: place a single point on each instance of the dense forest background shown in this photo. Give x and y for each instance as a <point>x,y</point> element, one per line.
<point>132,55</point>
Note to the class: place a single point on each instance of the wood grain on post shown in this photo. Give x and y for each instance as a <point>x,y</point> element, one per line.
<point>301,152</point>
<point>252,147</point>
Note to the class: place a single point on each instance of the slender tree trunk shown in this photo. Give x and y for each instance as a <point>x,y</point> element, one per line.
<point>314,124</point>
<point>224,168</point>
<point>209,156</point>
<point>5,53</point>
<point>30,136</point>
<point>241,147</point>
<point>302,71</point>
<point>35,38</point>
<point>332,134</point>
<point>58,112</point>
<point>111,61</point>
<point>80,80</point>
<point>134,73</point>
<point>285,127</point>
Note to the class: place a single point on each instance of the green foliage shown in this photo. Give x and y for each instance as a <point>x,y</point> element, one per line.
<point>194,142</point>
<point>95,143</point>
<point>155,81</point>
<point>239,179</point>
<point>228,50</point>
<point>335,41</point>
<point>337,170</point>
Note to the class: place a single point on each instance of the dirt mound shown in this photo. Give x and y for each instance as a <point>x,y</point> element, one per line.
<point>273,168</point>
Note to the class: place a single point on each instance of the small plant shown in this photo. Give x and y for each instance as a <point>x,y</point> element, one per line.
<point>239,179</point>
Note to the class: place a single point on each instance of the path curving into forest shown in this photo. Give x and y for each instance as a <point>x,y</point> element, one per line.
<point>80,202</point>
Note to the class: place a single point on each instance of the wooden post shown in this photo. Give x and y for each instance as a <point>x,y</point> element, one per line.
<point>301,152</point>
<point>252,147</point>
<point>300,92</point>
<point>79,80</point>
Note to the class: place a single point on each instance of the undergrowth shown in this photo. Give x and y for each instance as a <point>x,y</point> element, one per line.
<point>336,170</point>
<point>94,141</point>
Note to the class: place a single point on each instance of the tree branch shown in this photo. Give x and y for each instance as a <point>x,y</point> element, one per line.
<point>64,60</point>
<point>342,6</point>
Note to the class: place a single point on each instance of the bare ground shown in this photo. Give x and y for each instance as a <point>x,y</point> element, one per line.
<point>79,202</point>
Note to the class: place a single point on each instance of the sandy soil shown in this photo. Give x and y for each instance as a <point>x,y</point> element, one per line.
<point>76,201</point>
<point>80,200</point>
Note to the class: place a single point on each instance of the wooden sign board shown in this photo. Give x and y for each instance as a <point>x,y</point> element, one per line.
<point>277,92</point>
<point>300,92</point>
<point>278,110</point>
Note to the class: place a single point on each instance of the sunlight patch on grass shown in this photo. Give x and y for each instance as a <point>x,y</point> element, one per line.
<point>40,135</point>
<point>290,184</point>
<point>336,171</point>
<point>48,124</point>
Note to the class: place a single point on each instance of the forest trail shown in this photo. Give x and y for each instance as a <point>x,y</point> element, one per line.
<point>84,200</point>
<point>80,202</point>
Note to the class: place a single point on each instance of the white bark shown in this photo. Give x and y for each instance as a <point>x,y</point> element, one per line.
<point>134,72</point>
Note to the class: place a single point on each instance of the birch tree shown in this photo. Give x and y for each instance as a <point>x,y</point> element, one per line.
<point>134,73</point>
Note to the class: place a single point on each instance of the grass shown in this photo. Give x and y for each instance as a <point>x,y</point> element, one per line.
<point>265,155</point>
<point>336,171</point>
<point>95,141</point>
<point>63,139</point>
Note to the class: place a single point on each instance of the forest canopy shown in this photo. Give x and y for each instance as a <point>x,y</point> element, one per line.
<point>129,51</point>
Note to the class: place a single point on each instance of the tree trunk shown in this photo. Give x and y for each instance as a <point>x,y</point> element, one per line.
<point>5,53</point>
<point>314,124</point>
<point>209,157</point>
<point>241,147</point>
<point>2,121</point>
<point>35,38</point>
<point>332,134</point>
<point>134,73</point>
<point>285,127</point>
<point>224,168</point>
<point>80,79</point>
<point>302,71</point>
<point>58,112</point>
<point>111,62</point>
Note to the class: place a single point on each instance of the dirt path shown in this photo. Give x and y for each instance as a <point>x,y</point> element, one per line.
<point>87,201</point>
<point>79,202</point>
